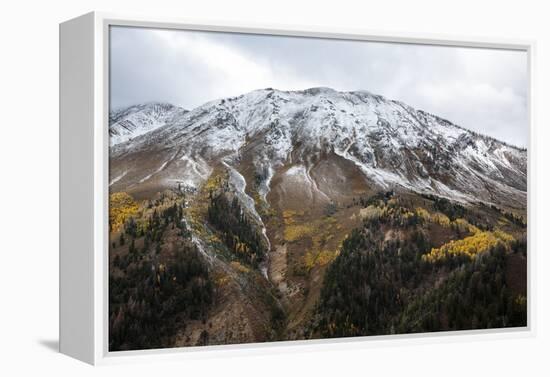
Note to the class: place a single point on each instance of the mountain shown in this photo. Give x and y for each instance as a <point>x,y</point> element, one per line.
<point>283,215</point>
<point>388,143</point>
<point>127,123</point>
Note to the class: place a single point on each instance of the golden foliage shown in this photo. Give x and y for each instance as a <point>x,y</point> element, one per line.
<point>463,226</point>
<point>289,216</point>
<point>423,213</point>
<point>371,212</point>
<point>323,232</point>
<point>326,256</point>
<point>213,238</point>
<point>221,280</point>
<point>441,219</point>
<point>322,258</point>
<point>521,300</point>
<point>121,207</point>
<point>213,183</point>
<point>321,253</point>
<point>197,211</point>
<point>296,232</point>
<point>309,260</point>
<point>239,267</point>
<point>470,246</point>
<point>438,218</point>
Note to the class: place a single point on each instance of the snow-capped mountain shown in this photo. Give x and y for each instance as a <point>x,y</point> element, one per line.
<point>127,123</point>
<point>269,133</point>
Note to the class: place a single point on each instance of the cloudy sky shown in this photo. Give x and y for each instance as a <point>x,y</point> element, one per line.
<point>480,89</point>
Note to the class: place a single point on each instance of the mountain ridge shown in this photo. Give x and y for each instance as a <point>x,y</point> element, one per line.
<point>391,143</point>
<point>132,121</point>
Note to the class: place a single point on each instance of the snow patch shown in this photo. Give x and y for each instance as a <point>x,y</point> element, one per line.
<point>117,178</point>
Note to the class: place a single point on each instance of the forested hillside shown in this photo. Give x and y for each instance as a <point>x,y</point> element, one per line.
<point>408,270</point>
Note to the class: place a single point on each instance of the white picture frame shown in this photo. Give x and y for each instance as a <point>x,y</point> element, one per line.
<point>84,147</point>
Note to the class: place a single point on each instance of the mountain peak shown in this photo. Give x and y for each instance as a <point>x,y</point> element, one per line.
<point>130,122</point>
<point>319,90</point>
<point>390,143</point>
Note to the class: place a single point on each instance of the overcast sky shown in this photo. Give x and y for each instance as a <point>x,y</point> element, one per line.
<point>480,89</point>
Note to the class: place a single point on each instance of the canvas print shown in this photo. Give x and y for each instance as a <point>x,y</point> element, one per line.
<point>267,188</point>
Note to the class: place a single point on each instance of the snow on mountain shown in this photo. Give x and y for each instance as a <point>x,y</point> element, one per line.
<point>390,143</point>
<point>127,123</point>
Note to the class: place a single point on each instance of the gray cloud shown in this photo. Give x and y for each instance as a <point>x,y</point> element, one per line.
<point>480,89</point>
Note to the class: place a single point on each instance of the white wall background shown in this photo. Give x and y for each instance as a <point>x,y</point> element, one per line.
<point>29,185</point>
